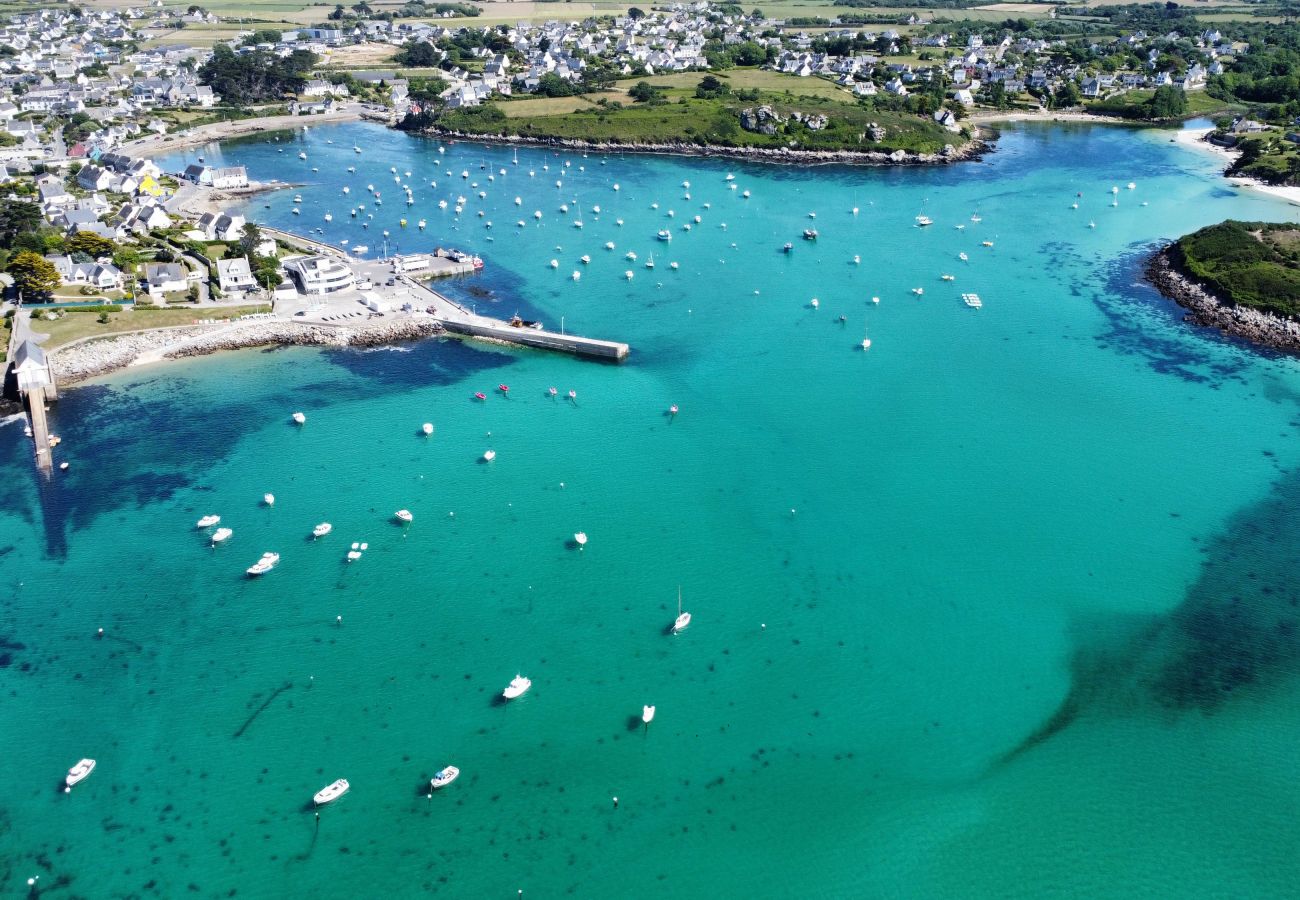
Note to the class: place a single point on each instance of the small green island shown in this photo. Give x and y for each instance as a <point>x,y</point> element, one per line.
<point>742,109</point>
<point>1240,277</point>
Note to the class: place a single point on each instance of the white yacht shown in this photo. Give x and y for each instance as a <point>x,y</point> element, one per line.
<point>321,530</point>
<point>647,714</point>
<point>444,777</point>
<point>78,773</point>
<point>665,234</point>
<point>300,418</point>
<point>331,792</point>
<point>268,499</point>
<point>683,618</point>
<point>427,428</point>
<point>404,515</point>
<point>580,538</point>
<point>221,534</point>
<point>518,686</point>
<point>265,564</point>
<point>208,521</point>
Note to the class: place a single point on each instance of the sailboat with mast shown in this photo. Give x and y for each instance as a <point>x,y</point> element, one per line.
<point>683,618</point>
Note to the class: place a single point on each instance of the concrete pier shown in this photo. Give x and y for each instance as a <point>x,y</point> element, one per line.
<point>454,317</point>
<point>459,320</point>
<point>33,381</point>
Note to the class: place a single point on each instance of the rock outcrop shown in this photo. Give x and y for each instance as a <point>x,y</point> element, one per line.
<point>1204,308</point>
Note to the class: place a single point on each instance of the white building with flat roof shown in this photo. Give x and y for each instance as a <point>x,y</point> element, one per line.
<point>319,275</point>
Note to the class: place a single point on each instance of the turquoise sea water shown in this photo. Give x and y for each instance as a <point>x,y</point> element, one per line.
<point>1002,607</point>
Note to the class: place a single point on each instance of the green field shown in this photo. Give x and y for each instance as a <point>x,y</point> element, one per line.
<point>74,325</point>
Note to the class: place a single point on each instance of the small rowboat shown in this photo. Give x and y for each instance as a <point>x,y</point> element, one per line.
<point>331,792</point>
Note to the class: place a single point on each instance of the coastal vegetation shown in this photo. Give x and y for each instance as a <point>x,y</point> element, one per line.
<point>1251,264</point>
<point>710,109</point>
<point>257,75</point>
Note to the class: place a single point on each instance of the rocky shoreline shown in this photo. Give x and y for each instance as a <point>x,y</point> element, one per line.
<point>99,357</point>
<point>973,149</point>
<point>1205,309</point>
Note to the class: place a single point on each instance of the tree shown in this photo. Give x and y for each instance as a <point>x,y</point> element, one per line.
<point>33,274</point>
<point>1169,102</point>
<point>419,54</point>
<point>18,217</point>
<point>338,13</point>
<point>89,243</point>
<point>634,13</point>
<point>249,238</point>
<point>643,92</point>
<point>711,87</point>
<point>1067,94</point>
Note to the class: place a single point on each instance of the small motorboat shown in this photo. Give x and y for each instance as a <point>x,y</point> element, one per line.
<point>745,194</point>
<point>814,303</point>
<point>297,198</point>
<point>551,391</point>
<point>77,774</point>
<point>268,499</point>
<point>573,395</point>
<point>787,248</point>
<point>404,516</point>
<point>444,777</point>
<point>503,388</point>
<point>962,256</point>
<point>299,418</point>
<point>664,234</point>
<point>427,428</point>
<point>810,234</point>
<point>518,686</point>
<point>479,395</point>
<point>672,410</point>
<point>489,455</point>
<point>208,521</point>
<point>221,534</point>
<point>918,291</point>
<point>321,530</point>
<point>331,792</point>
<point>990,243</point>
<point>946,277</point>
<point>647,714</point>
<point>264,565</point>
<point>580,538</point>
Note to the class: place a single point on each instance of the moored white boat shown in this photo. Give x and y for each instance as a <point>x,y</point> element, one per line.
<point>489,455</point>
<point>580,538</point>
<point>403,515</point>
<point>427,428</point>
<point>78,773</point>
<point>444,777</point>
<point>683,618</point>
<point>208,521</point>
<point>331,792</point>
<point>299,418</point>
<point>264,565</point>
<point>518,686</point>
<point>221,534</point>
<point>268,499</point>
<point>647,714</point>
<point>322,529</point>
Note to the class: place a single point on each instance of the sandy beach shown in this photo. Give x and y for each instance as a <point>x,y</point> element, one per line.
<point>1044,115</point>
<point>1195,139</point>
<point>221,131</point>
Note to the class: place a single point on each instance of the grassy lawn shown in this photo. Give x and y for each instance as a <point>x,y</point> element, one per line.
<point>74,325</point>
